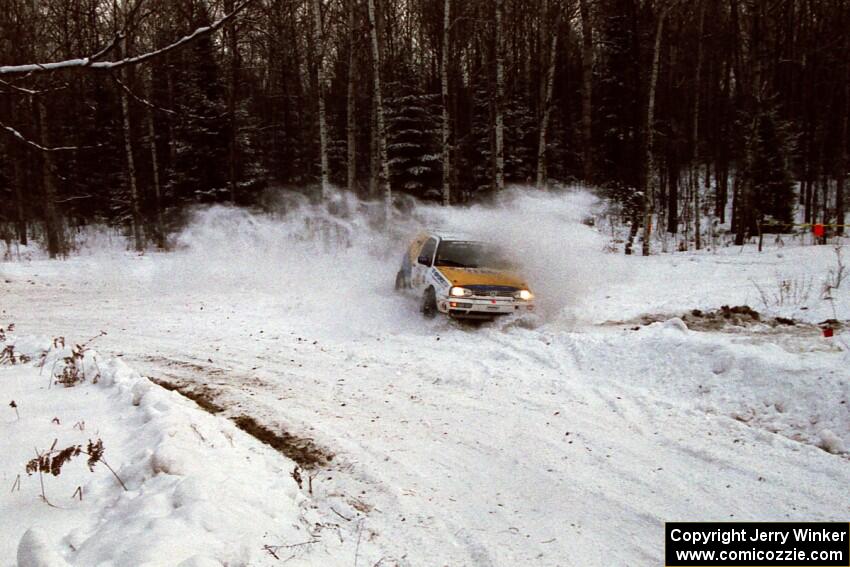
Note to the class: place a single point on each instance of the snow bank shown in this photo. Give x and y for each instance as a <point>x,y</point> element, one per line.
<point>198,490</point>
<point>35,550</point>
<point>786,282</point>
<point>799,394</point>
<point>831,442</point>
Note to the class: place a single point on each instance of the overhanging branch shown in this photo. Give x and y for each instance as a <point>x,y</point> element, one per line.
<point>92,62</point>
<point>20,137</point>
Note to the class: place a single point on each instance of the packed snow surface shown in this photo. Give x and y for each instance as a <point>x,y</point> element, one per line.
<point>535,442</point>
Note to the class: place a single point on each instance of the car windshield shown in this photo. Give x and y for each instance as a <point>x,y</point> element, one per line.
<point>464,254</point>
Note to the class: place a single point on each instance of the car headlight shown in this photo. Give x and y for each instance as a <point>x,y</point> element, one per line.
<point>460,292</point>
<point>524,294</point>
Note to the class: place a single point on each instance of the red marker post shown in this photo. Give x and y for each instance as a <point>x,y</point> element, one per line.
<point>819,232</point>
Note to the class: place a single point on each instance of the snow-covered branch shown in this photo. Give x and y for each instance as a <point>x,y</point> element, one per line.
<point>38,146</point>
<point>169,111</point>
<point>28,92</point>
<point>92,62</point>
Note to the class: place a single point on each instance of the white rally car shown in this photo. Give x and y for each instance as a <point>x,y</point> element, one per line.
<point>462,277</point>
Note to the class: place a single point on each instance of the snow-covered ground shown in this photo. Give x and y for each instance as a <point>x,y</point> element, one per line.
<point>196,490</point>
<point>499,444</point>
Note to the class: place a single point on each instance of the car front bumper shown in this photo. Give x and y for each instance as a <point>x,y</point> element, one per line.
<point>482,308</point>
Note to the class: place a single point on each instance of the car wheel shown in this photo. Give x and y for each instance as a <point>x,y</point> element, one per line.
<point>429,303</point>
<point>400,281</point>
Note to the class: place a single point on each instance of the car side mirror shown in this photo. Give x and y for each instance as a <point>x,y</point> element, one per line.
<point>425,260</point>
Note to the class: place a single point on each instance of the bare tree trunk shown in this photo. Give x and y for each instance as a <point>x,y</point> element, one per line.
<point>547,105</point>
<point>721,170</point>
<point>157,189</point>
<point>672,196</point>
<point>841,176</point>
<point>319,46</point>
<point>499,152</point>
<point>20,215</point>
<point>351,119</point>
<point>587,90</point>
<point>695,132</point>
<point>735,221</point>
<point>172,137</point>
<point>52,223</point>
<point>233,146</point>
<point>814,189</point>
<point>138,243</point>
<point>697,217</point>
<point>18,155</point>
<point>374,160</point>
<point>542,44</point>
<point>744,216</point>
<point>444,84</point>
<point>384,171</point>
<point>807,191</point>
<point>649,181</point>
<point>737,88</point>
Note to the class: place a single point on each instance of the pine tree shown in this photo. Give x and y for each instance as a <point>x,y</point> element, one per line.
<point>619,96</point>
<point>769,186</point>
<point>202,145</point>
<point>413,139</point>
<point>521,140</point>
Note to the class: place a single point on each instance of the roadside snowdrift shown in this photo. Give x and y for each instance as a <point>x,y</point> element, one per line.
<point>199,491</point>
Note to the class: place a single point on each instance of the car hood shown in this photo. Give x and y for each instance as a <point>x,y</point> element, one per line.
<point>480,276</point>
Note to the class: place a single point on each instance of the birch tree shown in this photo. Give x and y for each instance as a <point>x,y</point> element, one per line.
<point>549,87</point>
<point>499,120</point>
<point>157,184</point>
<point>586,91</point>
<point>444,89</point>
<point>351,118</point>
<point>318,42</point>
<point>380,130</point>
<point>649,177</point>
<point>232,96</point>
<point>694,168</point>
<point>844,137</point>
<point>136,222</point>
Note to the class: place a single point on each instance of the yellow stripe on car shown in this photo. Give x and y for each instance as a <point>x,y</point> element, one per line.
<point>468,276</point>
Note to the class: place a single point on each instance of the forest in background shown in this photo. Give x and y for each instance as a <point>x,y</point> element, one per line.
<point>127,111</point>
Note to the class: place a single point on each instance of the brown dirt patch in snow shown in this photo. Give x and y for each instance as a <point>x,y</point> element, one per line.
<point>302,450</point>
<point>202,396</point>
<point>734,319</point>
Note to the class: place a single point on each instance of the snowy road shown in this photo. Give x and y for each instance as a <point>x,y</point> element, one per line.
<point>477,445</point>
